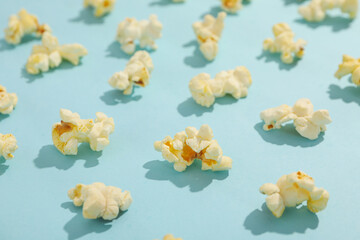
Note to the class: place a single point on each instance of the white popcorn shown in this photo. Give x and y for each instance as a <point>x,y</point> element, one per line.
<point>192,144</point>
<point>351,66</point>
<point>21,24</point>
<point>146,31</point>
<point>50,54</point>
<point>72,130</point>
<point>315,11</point>
<point>308,123</point>
<point>8,101</point>
<point>284,43</point>
<point>293,189</point>
<point>137,72</point>
<point>170,237</point>
<point>7,145</point>
<point>100,201</point>
<point>101,7</point>
<point>232,6</point>
<point>208,34</point>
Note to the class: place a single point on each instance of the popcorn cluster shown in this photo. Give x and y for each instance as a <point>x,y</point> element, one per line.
<point>21,24</point>
<point>284,43</point>
<point>192,144</point>
<point>170,237</point>
<point>101,7</point>
<point>351,66</point>
<point>137,72</point>
<point>308,123</point>
<point>8,101</point>
<point>50,54</point>
<point>7,145</point>
<point>146,31</point>
<point>236,82</point>
<point>208,34</point>
<point>72,130</point>
<point>293,189</point>
<point>100,201</point>
<point>232,6</point>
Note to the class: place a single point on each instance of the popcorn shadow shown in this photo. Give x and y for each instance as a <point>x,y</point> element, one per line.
<point>114,97</point>
<point>193,177</point>
<point>276,57</point>
<point>348,94</point>
<point>164,3</point>
<point>3,116</point>
<point>3,167</point>
<point>49,156</point>
<point>294,220</point>
<point>114,50</point>
<point>7,46</point>
<point>197,60</point>
<point>86,15</point>
<point>288,2</point>
<point>337,23</point>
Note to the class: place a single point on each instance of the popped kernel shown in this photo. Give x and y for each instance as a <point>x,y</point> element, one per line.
<point>308,123</point>
<point>7,145</point>
<point>284,43</point>
<point>351,66</point>
<point>101,7</point>
<point>22,24</point>
<point>292,190</point>
<point>99,200</point>
<point>235,82</point>
<point>137,72</point>
<point>145,31</point>
<point>72,130</point>
<point>170,237</point>
<point>8,101</point>
<point>194,144</point>
<point>208,33</point>
<point>232,6</point>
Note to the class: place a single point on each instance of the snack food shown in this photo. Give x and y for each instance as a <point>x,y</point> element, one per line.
<point>7,145</point>
<point>232,6</point>
<point>170,237</point>
<point>8,101</point>
<point>351,66</point>
<point>101,7</point>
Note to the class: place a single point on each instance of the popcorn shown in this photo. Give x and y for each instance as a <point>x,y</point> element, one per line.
<point>194,144</point>
<point>351,66</point>
<point>284,43</point>
<point>22,24</point>
<point>50,54</point>
<point>235,82</point>
<point>7,101</point>
<point>72,130</point>
<point>231,6</point>
<point>7,145</point>
<point>208,34</point>
<point>293,189</point>
<point>137,72</point>
<point>146,31</point>
<point>100,201</point>
<point>102,7</point>
<point>170,237</point>
<point>315,11</point>
<point>308,123</point>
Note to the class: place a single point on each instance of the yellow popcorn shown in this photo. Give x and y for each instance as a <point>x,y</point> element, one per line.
<point>308,123</point>
<point>7,145</point>
<point>194,144</point>
<point>170,237</point>
<point>235,82</point>
<point>8,101</point>
<point>351,66</point>
<point>208,34</point>
<point>72,130</point>
<point>232,6</point>
<point>292,190</point>
<point>145,31</point>
<point>284,43</point>
<point>137,72</point>
<point>100,201</point>
<point>101,7</point>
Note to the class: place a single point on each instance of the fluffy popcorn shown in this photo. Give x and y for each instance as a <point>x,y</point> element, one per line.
<point>292,190</point>
<point>7,145</point>
<point>72,130</point>
<point>315,11</point>
<point>191,144</point>
<point>137,72</point>
<point>101,7</point>
<point>351,66</point>
<point>208,34</point>
<point>232,6</point>
<point>8,101</point>
<point>170,237</point>
<point>100,201</point>
<point>284,43</point>
<point>146,31</point>
<point>308,123</point>
<point>22,24</point>
<point>234,82</point>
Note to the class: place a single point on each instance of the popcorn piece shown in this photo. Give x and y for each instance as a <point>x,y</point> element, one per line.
<point>308,123</point>
<point>102,7</point>
<point>146,31</point>
<point>284,43</point>
<point>170,237</point>
<point>351,66</point>
<point>7,145</point>
<point>232,6</point>
<point>22,24</point>
<point>208,34</point>
<point>192,144</point>
<point>7,101</point>
<point>72,130</point>
<point>100,201</point>
<point>235,82</point>
<point>137,72</point>
<point>293,189</point>
<point>50,54</point>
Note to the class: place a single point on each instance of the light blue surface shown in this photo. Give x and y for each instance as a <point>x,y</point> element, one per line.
<point>193,205</point>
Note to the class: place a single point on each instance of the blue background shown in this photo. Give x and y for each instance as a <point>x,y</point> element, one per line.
<point>194,204</point>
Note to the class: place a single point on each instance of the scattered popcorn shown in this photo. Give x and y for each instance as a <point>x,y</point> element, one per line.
<point>231,6</point>
<point>284,43</point>
<point>146,31</point>
<point>137,72</point>
<point>208,34</point>
<point>7,101</point>
<point>72,130</point>
<point>101,7</point>
<point>192,144</point>
<point>351,66</point>
<point>7,145</point>
<point>315,11</point>
<point>99,200</point>
<point>308,123</point>
<point>170,237</point>
<point>235,82</point>
<point>293,189</point>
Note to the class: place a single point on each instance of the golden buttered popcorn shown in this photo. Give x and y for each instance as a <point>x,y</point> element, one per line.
<point>8,145</point>
<point>101,7</point>
<point>351,66</point>
<point>8,101</point>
